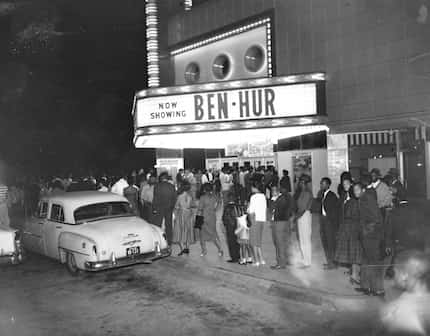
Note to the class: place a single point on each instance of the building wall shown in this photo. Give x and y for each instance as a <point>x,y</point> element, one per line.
<point>374,52</point>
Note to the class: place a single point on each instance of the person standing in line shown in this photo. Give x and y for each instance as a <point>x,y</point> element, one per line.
<point>304,219</point>
<point>147,197</point>
<point>285,182</point>
<point>226,180</point>
<point>257,210</point>
<point>348,248</point>
<point>131,193</point>
<point>374,242</point>
<point>242,173</point>
<point>183,230</point>
<point>329,222</point>
<point>229,218</point>
<point>346,175</point>
<point>4,209</point>
<point>282,211</point>
<point>180,177</point>
<point>119,186</point>
<point>208,205</point>
<point>163,204</point>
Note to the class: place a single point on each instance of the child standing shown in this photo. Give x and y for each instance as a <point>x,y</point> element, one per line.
<point>242,233</point>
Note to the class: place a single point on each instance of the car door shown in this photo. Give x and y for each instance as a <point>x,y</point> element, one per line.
<point>33,231</point>
<point>52,229</point>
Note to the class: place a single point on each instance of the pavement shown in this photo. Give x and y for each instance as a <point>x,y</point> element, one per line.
<point>314,285</point>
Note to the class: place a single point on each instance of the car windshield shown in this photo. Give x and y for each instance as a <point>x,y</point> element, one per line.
<point>105,210</point>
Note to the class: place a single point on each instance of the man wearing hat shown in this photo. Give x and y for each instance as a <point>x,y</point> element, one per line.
<point>163,204</point>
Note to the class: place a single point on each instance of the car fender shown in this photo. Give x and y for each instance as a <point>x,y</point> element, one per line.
<point>81,246</point>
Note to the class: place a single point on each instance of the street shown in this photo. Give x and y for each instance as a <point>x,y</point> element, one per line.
<point>40,298</point>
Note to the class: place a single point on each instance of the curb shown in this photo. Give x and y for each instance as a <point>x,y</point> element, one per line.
<point>255,284</point>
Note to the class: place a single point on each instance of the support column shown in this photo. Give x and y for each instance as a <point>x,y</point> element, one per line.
<point>427,168</point>
<point>337,157</point>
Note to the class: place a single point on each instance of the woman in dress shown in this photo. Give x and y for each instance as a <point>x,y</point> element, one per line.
<point>183,231</point>
<point>304,219</point>
<point>208,206</point>
<point>348,249</point>
<point>257,210</point>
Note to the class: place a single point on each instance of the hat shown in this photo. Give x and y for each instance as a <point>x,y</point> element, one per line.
<point>376,171</point>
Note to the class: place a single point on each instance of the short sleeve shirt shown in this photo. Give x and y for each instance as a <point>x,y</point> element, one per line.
<point>258,206</point>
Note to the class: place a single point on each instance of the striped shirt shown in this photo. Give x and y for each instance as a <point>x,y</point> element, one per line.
<point>3,193</point>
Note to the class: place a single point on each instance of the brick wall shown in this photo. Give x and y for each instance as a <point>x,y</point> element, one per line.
<point>372,50</point>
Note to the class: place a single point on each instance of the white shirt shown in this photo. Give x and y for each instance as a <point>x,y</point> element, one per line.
<point>119,186</point>
<point>207,178</point>
<point>103,189</point>
<point>258,206</point>
<point>225,180</point>
<point>324,213</point>
<point>242,178</point>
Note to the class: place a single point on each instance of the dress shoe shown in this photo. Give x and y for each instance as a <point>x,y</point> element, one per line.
<point>232,261</point>
<point>365,291</point>
<point>380,294</point>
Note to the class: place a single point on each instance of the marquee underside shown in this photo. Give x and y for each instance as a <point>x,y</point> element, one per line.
<point>221,139</point>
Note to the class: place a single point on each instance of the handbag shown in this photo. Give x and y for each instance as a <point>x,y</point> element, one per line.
<point>199,222</point>
<point>249,220</point>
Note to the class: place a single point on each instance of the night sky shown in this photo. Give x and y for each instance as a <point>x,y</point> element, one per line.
<point>69,70</point>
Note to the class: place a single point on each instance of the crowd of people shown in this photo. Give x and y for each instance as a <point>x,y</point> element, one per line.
<point>355,222</point>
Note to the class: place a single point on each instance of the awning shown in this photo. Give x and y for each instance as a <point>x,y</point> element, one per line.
<point>220,139</point>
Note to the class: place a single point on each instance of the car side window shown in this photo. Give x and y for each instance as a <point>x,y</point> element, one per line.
<point>57,213</point>
<point>42,211</point>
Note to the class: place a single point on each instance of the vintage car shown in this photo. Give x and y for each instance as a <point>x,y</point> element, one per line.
<point>92,231</point>
<point>10,245</point>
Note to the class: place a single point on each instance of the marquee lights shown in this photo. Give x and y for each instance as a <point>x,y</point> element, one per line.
<point>265,21</point>
<point>233,125</point>
<point>188,4</point>
<point>311,77</point>
<point>153,68</point>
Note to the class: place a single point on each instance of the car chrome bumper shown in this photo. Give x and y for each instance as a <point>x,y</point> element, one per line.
<point>94,266</point>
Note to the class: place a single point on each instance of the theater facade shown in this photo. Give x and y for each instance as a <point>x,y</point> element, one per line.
<point>317,87</point>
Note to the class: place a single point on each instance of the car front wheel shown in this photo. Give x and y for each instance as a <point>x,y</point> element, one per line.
<point>71,264</point>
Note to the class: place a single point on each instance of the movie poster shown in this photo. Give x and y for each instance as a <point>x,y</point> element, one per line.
<point>302,165</point>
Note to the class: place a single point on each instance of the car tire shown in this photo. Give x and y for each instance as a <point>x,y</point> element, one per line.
<point>71,264</point>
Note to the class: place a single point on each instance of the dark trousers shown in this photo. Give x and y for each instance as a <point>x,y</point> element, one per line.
<point>233,245</point>
<point>167,216</point>
<point>372,266</point>
<point>328,231</point>
<point>147,212</point>
<point>281,237</point>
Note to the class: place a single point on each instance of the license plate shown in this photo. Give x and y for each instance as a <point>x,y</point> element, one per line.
<point>132,251</point>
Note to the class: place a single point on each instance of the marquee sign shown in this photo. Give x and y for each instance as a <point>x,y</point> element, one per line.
<point>255,103</point>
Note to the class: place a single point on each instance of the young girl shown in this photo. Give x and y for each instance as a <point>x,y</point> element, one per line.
<point>242,233</point>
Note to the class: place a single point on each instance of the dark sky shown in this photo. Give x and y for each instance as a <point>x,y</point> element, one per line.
<point>69,70</point>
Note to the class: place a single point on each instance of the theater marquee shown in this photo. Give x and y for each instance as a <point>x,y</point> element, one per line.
<point>221,106</point>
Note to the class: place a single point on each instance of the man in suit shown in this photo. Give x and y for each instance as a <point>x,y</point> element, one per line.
<point>163,204</point>
<point>329,221</point>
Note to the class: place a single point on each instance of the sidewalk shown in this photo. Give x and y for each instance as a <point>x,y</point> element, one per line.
<point>314,285</point>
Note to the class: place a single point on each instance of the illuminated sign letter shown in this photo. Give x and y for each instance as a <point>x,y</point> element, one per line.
<point>270,98</point>
<point>222,106</point>
<point>198,109</point>
<point>244,104</point>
